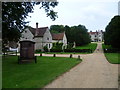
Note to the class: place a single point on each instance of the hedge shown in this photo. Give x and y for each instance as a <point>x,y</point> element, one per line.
<point>111,50</point>
<point>71,50</point>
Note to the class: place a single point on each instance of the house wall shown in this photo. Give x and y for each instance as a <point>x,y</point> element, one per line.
<point>97,37</point>
<point>27,35</point>
<point>38,43</point>
<point>64,40</point>
<point>47,39</point>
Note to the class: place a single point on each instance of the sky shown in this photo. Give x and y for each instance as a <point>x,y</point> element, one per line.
<point>93,14</point>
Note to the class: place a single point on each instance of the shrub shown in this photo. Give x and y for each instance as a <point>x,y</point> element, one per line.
<point>77,50</point>
<point>56,50</point>
<point>38,50</point>
<point>45,48</point>
<point>57,47</point>
<point>114,50</point>
<point>70,46</point>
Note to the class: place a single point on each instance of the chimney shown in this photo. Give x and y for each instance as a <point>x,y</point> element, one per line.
<point>36,25</point>
<point>36,33</point>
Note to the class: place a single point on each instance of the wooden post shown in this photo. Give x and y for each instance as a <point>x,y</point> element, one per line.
<point>40,54</point>
<point>54,55</point>
<point>78,57</point>
<point>70,55</point>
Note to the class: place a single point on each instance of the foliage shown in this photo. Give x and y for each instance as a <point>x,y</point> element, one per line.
<point>77,34</point>
<point>57,47</point>
<point>112,32</point>
<point>45,48</point>
<point>78,50</point>
<point>70,45</point>
<point>57,28</point>
<point>15,13</point>
<point>110,49</point>
<point>33,75</point>
<point>38,51</point>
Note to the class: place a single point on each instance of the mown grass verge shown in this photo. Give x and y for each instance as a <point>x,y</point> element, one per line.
<point>113,58</point>
<point>31,75</point>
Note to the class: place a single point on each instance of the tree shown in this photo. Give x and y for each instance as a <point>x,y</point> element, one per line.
<point>57,28</point>
<point>77,34</point>
<point>112,32</point>
<point>15,13</point>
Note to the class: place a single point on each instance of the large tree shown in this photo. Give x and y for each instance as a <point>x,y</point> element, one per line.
<point>77,34</point>
<point>56,28</point>
<point>112,32</point>
<point>15,13</point>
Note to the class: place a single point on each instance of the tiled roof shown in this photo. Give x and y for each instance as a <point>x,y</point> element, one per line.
<point>41,31</point>
<point>93,32</point>
<point>32,30</point>
<point>57,36</point>
<point>38,32</point>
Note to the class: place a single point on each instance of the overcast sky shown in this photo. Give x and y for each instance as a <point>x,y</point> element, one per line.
<point>94,14</point>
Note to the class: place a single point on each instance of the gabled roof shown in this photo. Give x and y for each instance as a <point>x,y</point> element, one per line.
<point>93,32</point>
<point>32,30</point>
<point>57,36</point>
<point>39,32</point>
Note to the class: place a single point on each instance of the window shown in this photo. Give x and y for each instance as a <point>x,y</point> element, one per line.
<point>47,38</point>
<point>25,31</point>
<point>49,45</point>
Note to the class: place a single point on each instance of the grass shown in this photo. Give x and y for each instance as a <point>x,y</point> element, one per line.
<point>66,52</point>
<point>113,58</point>
<point>106,46</point>
<point>88,46</point>
<point>31,75</point>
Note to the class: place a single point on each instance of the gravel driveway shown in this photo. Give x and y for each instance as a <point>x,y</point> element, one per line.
<point>93,72</point>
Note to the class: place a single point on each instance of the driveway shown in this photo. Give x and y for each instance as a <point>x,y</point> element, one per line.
<point>93,72</point>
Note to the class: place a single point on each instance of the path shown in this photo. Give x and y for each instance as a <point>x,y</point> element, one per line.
<point>93,72</point>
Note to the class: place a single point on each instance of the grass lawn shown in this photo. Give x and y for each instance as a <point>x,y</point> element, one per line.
<point>88,46</point>
<point>106,46</point>
<point>113,58</point>
<point>31,75</point>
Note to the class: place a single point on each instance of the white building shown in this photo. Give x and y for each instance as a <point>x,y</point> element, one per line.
<point>60,38</point>
<point>96,36</point>
<point>42,37</point>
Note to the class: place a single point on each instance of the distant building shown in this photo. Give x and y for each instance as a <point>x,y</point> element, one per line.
<point>96,36</point>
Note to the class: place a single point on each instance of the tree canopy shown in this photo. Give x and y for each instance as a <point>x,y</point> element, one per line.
<point>15,13</point>
<point>77,34</point>
<point>112,32</point>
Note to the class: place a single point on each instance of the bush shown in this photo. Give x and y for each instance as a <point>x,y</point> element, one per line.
<point>57,47</point>
<point>111,50</point>
<point>45,48</point>
<point>70,46</point>
<point>56,50</point>
<point>38,50</point>
<point>77,50</point>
